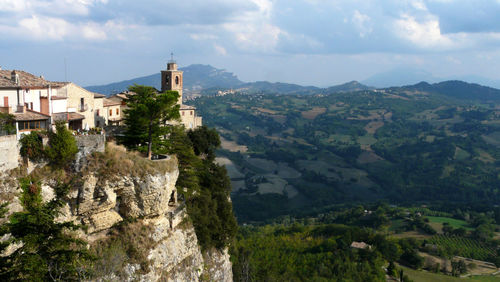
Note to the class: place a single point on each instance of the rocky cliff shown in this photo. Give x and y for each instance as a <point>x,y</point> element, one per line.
<point>134,219</point>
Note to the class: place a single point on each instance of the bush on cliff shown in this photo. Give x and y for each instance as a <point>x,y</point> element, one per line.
<point>62,147</point>
<point>31,146</point>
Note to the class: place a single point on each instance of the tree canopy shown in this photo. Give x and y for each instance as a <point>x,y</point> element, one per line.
<point>147,113</point>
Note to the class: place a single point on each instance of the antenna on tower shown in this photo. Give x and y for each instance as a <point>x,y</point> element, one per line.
<point>172,58</point>
<point>65,70</point>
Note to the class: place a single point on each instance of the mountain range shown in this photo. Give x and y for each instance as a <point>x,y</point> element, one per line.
<point>206,79</point>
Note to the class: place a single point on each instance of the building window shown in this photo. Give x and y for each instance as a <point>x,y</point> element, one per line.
<point>191,112</point>
<point>182,113</point>
<point>97,112</point>
<point>110,112</point>
<point>31,105</point>
<point>117,111</point>
<point>177,80</point>
<point>31,125</point>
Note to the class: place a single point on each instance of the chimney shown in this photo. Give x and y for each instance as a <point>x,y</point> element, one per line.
<point>14,76</point>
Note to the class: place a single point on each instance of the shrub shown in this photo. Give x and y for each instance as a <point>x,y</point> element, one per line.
<point>7,124</point>
<point>62,146</point>
<point>31,146</point>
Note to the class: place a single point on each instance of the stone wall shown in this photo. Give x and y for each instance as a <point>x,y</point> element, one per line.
<point>9,152</point>
<point>87,144</point>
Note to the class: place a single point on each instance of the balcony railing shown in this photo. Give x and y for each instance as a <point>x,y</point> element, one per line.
<point>83,107</point>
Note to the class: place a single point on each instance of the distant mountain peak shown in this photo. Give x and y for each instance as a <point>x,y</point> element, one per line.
<point>196,77</point>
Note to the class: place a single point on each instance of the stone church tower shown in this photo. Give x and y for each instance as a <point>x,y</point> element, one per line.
<point>171,79</point>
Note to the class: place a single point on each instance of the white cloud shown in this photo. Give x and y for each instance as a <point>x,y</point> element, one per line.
<point>424,34</point>
<point>45,27</point>
<point>13,5</point>
<point>93,31</point>
<point>362,23</point>
<point>220,50</point>
<point>253,30</point>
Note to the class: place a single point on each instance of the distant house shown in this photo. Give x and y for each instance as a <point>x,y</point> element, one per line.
<point>114,106</point>
<point>37,103</point>
<point>360,245</point>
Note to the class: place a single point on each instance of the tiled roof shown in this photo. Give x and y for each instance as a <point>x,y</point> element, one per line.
<point>67,116</point>
<point>111,102</point>
<point>26,80</point>
<point>97,95</point>
<point>187,107</point>
<point>58,98</point>
<point>30,115</point>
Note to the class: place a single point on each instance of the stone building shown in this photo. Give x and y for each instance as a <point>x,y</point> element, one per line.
<point>171,79</point>
<point>113,108</point>
<point>37,103</point>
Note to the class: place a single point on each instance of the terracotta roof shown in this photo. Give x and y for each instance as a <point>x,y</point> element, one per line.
<point>67,116</point>
<point>187,107</point>
<point>111,102</point>
<point>58,98</point>
<point>123,95</point>
<point>26,80</point>
<point>30,115</point>
<point>97,95</point>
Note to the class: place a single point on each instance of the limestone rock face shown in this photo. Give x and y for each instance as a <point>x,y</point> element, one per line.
<point>100,201</point>
<point>103,202</point>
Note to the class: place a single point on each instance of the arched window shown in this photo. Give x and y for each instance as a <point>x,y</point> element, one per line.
<point>177,80</point>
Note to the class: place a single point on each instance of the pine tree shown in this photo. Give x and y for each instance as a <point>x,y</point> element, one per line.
<point>145,118</point>
<point>49,250</point>
<point>62,146</point>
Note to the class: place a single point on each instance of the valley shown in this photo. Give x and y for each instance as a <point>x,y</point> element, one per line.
<point>300,154</point>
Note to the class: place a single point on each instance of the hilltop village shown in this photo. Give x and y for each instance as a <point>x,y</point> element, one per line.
<point>153,216</point>
<point>37,104</point>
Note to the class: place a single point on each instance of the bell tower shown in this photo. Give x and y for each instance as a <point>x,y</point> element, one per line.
<point>171,79</point>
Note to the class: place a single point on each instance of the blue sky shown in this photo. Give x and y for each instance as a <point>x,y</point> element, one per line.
<point>311,42</point>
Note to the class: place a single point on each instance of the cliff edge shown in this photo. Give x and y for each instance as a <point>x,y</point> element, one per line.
<point>134,219</point>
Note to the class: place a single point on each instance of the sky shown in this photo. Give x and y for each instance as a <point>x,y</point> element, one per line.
<point>308,42</point>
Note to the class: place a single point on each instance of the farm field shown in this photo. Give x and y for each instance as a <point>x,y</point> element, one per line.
<point>462,246</point>
<point>425,276</point>
<point>455,223</point>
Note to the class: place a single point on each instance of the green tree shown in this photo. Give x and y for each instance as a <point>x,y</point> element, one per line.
<point>49,251</point>
<point>179,144</point>
<point>62,147</point>
<point>31,146</point>
<point>7,124</point>
<point>205,141</point>
<point>145,118</point>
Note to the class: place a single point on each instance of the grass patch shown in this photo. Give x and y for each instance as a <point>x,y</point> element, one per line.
<point>424,276</point>
<point>461,154</point>
<point>127,243</point>
<point>313,113</point>
<point>117,161</point>
<point>455,223</point>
